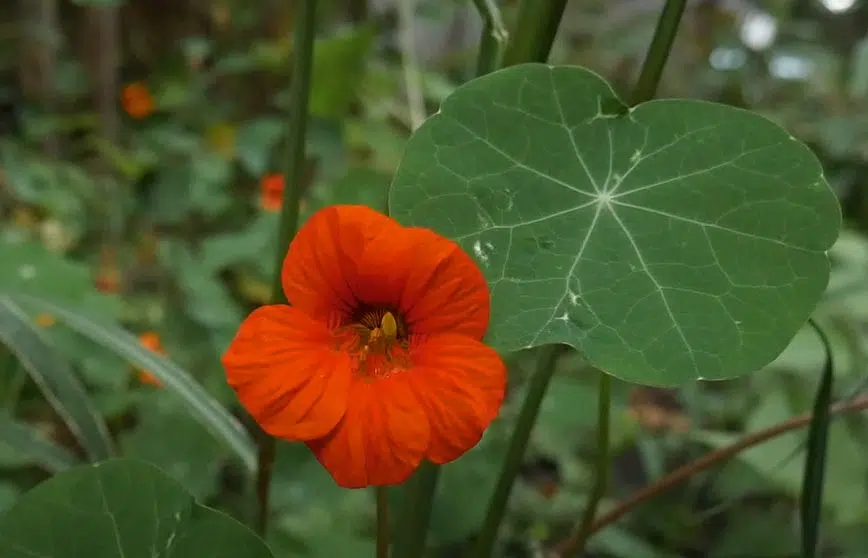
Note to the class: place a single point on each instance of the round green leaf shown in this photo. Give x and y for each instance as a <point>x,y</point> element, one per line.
<point>672,241</point>
<point>121,508</point>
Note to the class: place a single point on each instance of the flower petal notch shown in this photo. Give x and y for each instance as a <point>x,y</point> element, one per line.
<point>379,362</point>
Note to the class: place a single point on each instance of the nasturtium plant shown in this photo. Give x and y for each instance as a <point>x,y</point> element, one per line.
<point>671,241</point>
<point>121,508</point>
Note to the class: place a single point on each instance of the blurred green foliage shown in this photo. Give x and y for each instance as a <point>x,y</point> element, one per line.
<point>158,223</point>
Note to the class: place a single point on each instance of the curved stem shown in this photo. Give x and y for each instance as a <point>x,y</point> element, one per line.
<point>382,522</point>
<point>539,383</point>
<point>410,62</point>
<point>562,549</point>
<point>601,464</point>
<point>533,33</point>
<point>494,37</point>
<point>303,39</point>
<point>658,52</point>
<point>302,64</point>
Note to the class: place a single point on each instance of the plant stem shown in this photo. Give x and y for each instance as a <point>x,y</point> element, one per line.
<point>814,476</point>
<point>410,62</point>
<point>601,464</point>
<point>413,530</point>
<point>539,383</point>
<point>266,452</point>
<point>533,33</point>
<point>704,463</point>
<point>658,52</point>
<point>303,40</point>
<point>382,522</point>
<point>494,37</point>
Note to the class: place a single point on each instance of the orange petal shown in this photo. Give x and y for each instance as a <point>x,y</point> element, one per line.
<point>461,384</point>
<point>382,437</point>
<point>432,281</point>
<point>286,373</point>
<point>151,340</point>
<point>146,377</point>
<point>319,269</point>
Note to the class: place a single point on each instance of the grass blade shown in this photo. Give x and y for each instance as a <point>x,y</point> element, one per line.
<point>204,408</point>
<point>55,379</point>
<point>815,461</point>
<point>27,441</point>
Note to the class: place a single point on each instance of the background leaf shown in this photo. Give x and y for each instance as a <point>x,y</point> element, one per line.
<point>815,460</point>
<point>200,404</point>
<point>30,268</point>
<point>22,443</point>
<point>56,379</point>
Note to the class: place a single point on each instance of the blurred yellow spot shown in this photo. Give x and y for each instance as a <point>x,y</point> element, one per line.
<point>221,138</point>
<point>44,319</point>
<point>25,218</point>
<point>55,236</point>
<point>254,290</point>
<point>539,531</point>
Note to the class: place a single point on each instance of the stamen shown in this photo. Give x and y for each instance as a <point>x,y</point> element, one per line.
<point>378,340</point>
<point>389,327</point>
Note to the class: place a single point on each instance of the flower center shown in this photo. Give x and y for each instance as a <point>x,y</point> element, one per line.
<point>378,343</point>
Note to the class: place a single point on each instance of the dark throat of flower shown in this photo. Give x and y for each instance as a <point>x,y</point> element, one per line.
<point>380,343</point>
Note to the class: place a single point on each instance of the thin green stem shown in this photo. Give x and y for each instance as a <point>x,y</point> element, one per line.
<point>539,383</point>
<point>416,514</point>
<point>533,33</point>
<point>601,465</point>
<point>494,37</point>
<point>658,52</point>
<point>303,40</point>
<point>266,452</point>
<point>410,62</point>
<point>382,522</point>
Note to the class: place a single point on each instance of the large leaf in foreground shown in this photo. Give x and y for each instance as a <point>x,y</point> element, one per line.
<point>120,509</point>
<point>672,241</point>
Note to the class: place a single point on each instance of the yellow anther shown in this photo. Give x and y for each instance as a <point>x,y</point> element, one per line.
<point>374,336</point>
<point>389,326</point>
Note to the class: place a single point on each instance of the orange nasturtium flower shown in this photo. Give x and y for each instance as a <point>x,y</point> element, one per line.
<point>137,100</point>
<point>378,364</point>
<point>151,340</point>
<point>271,192</point>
